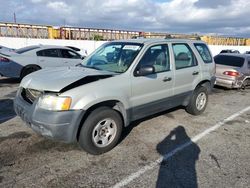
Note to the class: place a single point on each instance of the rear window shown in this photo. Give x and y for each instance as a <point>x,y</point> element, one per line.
<point>26,49</point>
<point>229,60</point>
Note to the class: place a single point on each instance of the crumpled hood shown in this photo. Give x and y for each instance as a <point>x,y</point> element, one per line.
<point>55,79</point>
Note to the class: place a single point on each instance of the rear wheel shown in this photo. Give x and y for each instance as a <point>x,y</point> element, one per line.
<point>28,70</point>
<point>101,131</point>
<point>198,101</point>
<point>245,84</point>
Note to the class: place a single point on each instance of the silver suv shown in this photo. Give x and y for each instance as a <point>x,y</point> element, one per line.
<point>118,83</point>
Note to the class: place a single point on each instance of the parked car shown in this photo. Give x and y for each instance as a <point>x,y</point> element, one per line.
<point>83,52</point>
<point>120,82</point>
<point>23,61</point>
<point>232,70</point>
<point>229,51</point>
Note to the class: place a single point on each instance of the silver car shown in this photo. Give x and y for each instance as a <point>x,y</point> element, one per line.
<point>232,70</point>
<point>23,61</point>
<point>4,48</point>
<point>120,82</point>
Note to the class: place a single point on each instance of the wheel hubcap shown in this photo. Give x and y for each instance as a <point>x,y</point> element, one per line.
<point>201,101</point>
<point>104,132</point>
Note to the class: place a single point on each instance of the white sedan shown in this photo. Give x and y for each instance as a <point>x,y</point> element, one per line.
<point>23,61</point>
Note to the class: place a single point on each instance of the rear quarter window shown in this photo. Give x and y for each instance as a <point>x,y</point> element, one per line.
<point>69,54</point>
<point>204,52</point>
<point>229,60</point>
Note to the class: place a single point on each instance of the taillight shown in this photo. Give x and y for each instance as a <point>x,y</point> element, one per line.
<point>3,59</point>
<point>231,73</point>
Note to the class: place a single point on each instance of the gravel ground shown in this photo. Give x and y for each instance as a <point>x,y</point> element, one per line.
<point>219,159</point>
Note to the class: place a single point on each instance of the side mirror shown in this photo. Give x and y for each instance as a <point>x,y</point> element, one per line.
<point>145,70</point>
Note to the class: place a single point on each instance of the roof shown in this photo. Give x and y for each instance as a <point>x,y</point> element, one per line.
<point>234,54</point>
<point>149,41</point>
<point>52,46</point>
<point>41,46</point>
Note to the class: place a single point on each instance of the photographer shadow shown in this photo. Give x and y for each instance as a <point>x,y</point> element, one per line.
<point>180,154</point>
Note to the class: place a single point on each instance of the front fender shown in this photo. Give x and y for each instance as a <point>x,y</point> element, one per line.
<point>90,100</point>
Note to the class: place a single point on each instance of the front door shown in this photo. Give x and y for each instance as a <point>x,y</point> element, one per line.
<point>150,93</point>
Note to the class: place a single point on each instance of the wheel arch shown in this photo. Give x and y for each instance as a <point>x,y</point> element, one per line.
<point>205,83</point>
<point>114,104</point>
<point>28,66</point>
<point>246,79</point>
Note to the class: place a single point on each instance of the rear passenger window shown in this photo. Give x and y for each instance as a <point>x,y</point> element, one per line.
<point>204,52</point>
<point>184,56</point>
<point>48,53</point>
<point>157,56</point>
<point>69,54</point>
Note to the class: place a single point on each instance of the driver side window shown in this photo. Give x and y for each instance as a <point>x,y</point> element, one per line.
<point>158,57</point>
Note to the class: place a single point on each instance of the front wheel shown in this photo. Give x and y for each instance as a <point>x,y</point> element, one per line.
<point>101,131</point>
<point>28,70</point>
<point>198,102</point>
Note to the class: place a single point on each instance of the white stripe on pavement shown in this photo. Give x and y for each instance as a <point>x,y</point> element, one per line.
<point>195,139</point>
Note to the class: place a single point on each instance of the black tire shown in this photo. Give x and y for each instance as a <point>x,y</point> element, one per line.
<point>28,70</point>
<point>192,106</point>
<point>89,130</point>
<point>245,84</point>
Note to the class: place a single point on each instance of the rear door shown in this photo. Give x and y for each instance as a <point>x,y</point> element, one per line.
<point>49,58</point>
<point>151,93</point>
<point>70,58</point>
<point>187,70</point>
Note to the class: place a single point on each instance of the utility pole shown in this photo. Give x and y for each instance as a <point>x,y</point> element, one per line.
<point>14,17</point>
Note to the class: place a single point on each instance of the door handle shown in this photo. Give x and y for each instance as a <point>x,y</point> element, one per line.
<point>195,73</point>
<point>166,79</point>
<point>42,60</point>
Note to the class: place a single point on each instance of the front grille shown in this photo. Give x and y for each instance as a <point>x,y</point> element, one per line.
<point>30,95</point>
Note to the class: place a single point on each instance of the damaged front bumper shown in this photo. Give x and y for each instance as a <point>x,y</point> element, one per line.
<point>58,125</point>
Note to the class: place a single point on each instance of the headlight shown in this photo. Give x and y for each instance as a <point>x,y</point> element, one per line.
<point>56,103</point>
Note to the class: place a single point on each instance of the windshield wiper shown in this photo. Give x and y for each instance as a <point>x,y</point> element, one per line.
<point>90,67</point>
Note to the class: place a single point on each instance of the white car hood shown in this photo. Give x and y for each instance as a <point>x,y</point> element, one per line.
<point>55,79</point>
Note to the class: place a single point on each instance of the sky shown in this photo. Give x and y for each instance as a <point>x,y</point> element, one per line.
<point>210,17</point>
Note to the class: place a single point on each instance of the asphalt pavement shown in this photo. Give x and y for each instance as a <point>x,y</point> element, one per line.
<point>170,149</point>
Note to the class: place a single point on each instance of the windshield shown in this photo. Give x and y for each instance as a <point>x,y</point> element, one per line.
<point>113,57</point>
